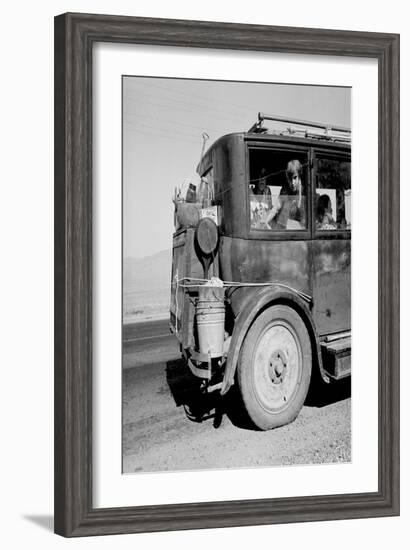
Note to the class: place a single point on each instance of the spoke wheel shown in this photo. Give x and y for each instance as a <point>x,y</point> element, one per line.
<point>274,367</point>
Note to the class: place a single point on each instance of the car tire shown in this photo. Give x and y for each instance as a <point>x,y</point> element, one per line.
<point>274,367</point>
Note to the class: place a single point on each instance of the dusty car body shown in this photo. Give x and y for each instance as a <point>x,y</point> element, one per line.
<point>286,286</point>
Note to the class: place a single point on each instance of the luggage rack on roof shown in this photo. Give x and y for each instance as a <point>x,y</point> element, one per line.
<point>329,132</point>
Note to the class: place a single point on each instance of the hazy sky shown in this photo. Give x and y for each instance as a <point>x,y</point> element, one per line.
<point>163,123</point>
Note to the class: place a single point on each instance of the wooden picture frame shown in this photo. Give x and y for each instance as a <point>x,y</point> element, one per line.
<point>75,35</point>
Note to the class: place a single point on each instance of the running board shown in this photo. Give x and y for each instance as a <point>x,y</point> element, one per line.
<point>336,356</point>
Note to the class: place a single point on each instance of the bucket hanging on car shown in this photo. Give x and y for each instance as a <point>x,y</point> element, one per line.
<point>210,319</point>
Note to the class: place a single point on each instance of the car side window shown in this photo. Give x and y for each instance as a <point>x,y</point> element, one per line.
<point>332,201</point>
<point>277,190</point>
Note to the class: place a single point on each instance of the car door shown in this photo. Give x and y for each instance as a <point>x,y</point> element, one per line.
<point>331,243</point>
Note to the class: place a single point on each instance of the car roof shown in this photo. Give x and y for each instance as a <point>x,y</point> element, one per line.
<point>283,138</point>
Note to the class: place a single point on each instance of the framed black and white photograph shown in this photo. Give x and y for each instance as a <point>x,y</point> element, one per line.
<point>226,275</point>
<point>248,262</point>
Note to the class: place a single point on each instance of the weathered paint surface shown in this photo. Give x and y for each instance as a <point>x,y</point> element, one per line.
<point>331,261</point>
<point>254,261</point>
<point>320,268</point>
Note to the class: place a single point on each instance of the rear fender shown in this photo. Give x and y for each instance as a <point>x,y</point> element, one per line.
<point>251,309</point>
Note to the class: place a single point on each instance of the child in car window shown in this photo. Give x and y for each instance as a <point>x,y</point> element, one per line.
<point>324,218</point>
<point>260,202</point>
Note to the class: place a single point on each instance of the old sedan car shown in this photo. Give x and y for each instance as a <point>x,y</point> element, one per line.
<point>260,290</point>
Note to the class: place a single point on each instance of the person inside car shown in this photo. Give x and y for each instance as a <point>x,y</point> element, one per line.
<point>288,212</point>
<point>324,218</point>
<point>260,201</point>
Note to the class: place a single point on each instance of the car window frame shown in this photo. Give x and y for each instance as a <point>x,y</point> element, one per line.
<point>320,152</point>
<point>272,234</point>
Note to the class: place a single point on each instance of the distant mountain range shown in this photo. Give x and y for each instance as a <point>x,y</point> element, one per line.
<point>146,287</point>
<point>148,273</point>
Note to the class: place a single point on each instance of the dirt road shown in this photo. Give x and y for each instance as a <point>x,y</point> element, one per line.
<point>169,425</point>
